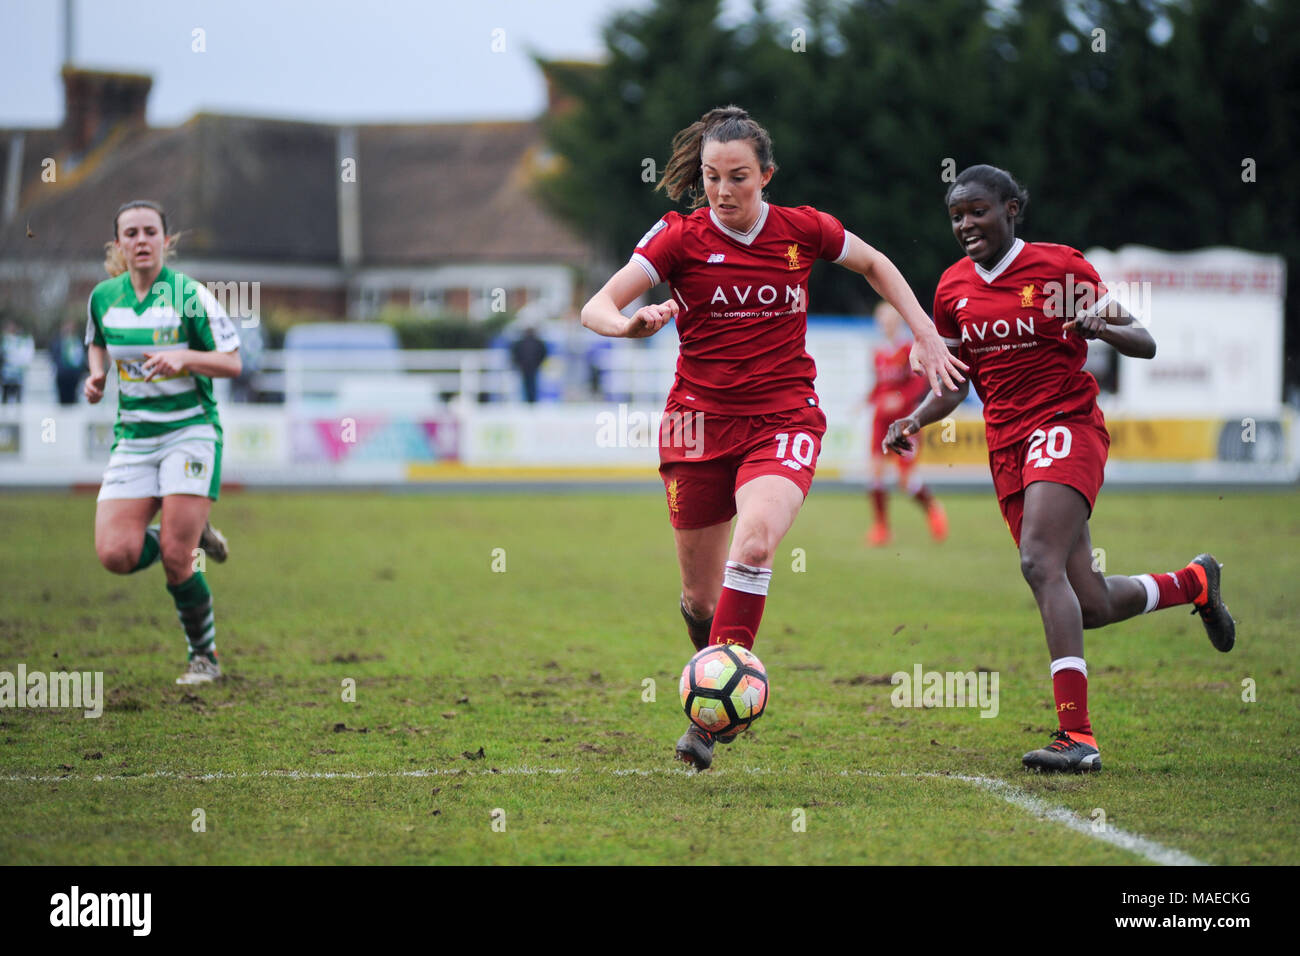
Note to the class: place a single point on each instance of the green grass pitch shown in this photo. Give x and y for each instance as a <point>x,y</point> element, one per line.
<point>500,712</point>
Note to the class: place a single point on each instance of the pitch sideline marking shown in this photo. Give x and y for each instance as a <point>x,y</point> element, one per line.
<point>1035,806</point>
<point>1142,846</point>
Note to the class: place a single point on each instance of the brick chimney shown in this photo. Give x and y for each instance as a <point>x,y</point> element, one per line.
<point>557,102</point>
<point>95,102</point>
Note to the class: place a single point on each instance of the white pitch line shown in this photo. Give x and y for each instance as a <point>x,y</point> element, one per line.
<point>1149,849</point>
<point>1143,847</point>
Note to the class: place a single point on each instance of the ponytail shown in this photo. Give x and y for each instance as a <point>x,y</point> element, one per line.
<point>683,174</point>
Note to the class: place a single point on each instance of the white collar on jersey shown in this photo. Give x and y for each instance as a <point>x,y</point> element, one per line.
<point>747,238</point>
<point>988,275</point>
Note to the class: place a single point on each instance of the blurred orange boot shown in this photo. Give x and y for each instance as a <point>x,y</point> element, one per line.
<point>938,521</point>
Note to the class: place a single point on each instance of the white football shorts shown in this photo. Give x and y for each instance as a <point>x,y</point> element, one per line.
<point>184,468</point>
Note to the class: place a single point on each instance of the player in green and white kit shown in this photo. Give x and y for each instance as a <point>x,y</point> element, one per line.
<point>169,338</point>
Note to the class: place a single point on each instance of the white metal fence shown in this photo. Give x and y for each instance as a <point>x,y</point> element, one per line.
<point>618,372</point>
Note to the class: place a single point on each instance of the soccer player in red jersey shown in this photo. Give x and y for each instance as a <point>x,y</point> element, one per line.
<point>742,428</point>
<point>1021,313</point>
<point>896,390</point>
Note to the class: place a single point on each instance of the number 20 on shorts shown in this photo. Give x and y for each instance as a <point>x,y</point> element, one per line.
<point>1055,442</point>
<point>801,449</point>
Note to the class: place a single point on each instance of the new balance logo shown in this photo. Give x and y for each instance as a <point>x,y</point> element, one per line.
<point>962,304</point>
<point>717,257</point>
<point>792,465</point>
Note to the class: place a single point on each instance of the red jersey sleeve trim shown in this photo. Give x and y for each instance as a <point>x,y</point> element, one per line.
<point>828,227</point>
<point>844,252</point>
<point>648,266</point>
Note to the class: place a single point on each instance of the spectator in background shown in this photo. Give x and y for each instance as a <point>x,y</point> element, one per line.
<point>251,348</point>
<point>18,350</point>
<point>69,357</point>
<point>595,357</point>
<point>527,354</point>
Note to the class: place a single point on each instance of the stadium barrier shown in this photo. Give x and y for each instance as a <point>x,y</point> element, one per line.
<point>1208,410</point>
<point>57,447</point>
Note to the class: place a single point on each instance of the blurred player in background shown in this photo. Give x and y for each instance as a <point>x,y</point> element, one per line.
<point>1021,314</point>
<point>17,349</point>
<point>897,389</point>
<point>742,428</point>
<point>168,338</point>
<point>68,355</point>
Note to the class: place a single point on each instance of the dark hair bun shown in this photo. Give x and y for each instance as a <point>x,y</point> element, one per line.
<point>997,181</point>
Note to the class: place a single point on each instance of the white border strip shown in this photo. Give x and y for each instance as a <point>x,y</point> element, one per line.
<point>1141,846</point>
<point>1148,849</point>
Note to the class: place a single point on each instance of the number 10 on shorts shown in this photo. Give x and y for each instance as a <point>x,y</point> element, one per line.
<point>801,449</point>
<point>1055,441</point>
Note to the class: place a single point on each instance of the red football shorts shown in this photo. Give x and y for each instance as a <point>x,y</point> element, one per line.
<point>1069,451</point>
<point>705,457</point>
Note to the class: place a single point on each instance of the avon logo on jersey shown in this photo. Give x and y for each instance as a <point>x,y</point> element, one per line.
<point>765,295</point>
<point>1001,329</point>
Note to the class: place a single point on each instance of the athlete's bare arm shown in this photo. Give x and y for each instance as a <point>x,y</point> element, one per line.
<point>1117,327</point>
<point>603,314</point>
<point>197,362</point>
<point>934,408</point>
<point>97,358</point>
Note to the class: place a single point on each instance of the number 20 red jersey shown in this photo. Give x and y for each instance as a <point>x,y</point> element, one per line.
<point>1009,321</point>
<point>744,304</point>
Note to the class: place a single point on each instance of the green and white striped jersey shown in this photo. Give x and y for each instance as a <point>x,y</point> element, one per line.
<point>178,313</point>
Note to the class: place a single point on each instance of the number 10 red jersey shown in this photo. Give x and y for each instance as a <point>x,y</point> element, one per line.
<point>744,304</point>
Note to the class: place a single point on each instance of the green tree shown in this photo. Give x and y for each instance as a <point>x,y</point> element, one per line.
<point>1129,121</point>
<point>665,67</point>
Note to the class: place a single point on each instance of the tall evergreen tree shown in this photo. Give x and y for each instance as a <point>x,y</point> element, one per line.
<point>1129,121</point>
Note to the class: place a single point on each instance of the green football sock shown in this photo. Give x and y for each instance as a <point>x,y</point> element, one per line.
<point>194,608</point>
<point>149,551</point>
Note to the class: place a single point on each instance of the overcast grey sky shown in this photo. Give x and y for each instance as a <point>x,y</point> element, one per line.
<point>310,59</point>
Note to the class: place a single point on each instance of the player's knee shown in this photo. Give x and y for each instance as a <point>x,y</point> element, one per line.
<point>1038,568</point>
<point>754,543</point>
<point>178,558</point>
<point>120,557</point>
<point>756,551</point>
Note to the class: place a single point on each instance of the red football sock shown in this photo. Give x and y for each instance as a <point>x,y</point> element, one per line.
<point>1070,687</point>
<point>879,497</point>
<point>1174,587</point>
<point>740,608</point>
